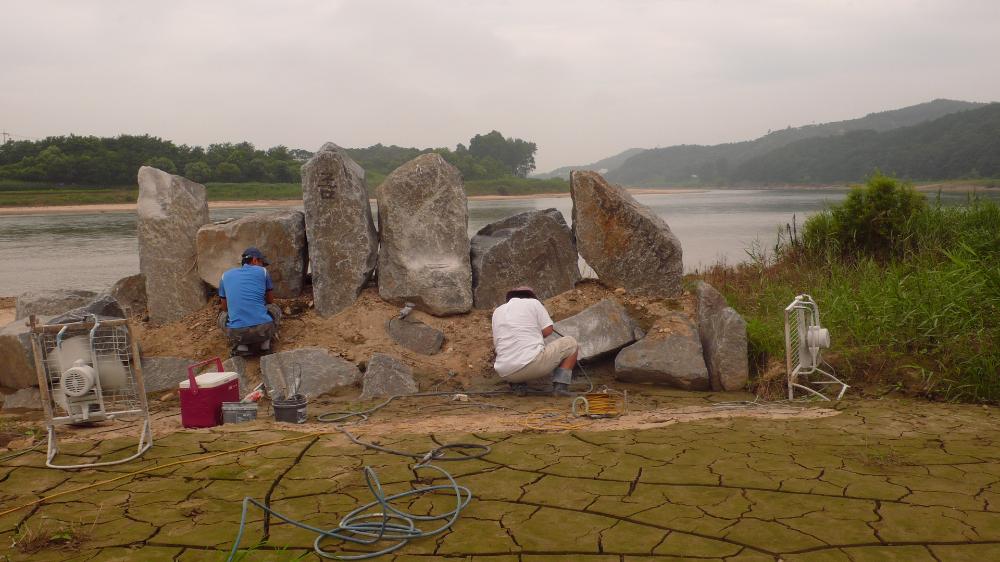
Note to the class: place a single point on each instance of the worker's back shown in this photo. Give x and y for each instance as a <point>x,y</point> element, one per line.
<point>244,288</point>
<point>517,333</point>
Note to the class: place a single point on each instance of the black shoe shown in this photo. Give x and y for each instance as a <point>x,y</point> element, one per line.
<point>561,389</point>
<point>519,388</point>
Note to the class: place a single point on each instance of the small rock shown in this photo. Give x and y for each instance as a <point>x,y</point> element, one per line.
<point>387,376</point>
<point>599,328</point>
<point>168,397</point>
<point>620,291</point>
<point>321,370</point>
<point>415,335</point>
<point>50,302</point>
<point>17,360</point>
<point>675,360</point>
<point>25,399</point>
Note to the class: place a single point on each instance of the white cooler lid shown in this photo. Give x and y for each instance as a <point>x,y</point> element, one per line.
<point>211,380</point>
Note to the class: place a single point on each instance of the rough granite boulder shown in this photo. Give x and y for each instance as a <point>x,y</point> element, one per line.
<point>280,235</point>
<point>723,334</point>
<point>343,243</point>
<point>535,248</point>
<point>17,361</point>
<point>321,371</point>
<point>164,373</point>
<point>104,307</point>
<point>130,292</point>
<point>415,335</point>
<point>26,399</point>
<point>674,358</point>
<point>171,209</point>
<point>599,329</point>
<point>387,376</point>
<point>50,302</point>
<point>423,219</point>
<point>625,243</point>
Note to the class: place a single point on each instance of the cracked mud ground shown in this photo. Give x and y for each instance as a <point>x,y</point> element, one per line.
<point>883,480</point>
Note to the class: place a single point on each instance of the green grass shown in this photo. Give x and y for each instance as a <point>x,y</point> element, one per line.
<point>926,319</point>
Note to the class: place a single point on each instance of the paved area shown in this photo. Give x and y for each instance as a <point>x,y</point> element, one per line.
<point>883,480</point>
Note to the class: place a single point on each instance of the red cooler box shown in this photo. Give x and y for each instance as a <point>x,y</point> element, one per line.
<point>202,396</point>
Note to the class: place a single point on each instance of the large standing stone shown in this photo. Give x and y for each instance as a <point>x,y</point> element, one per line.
<point>171,209</point>
<point>599,328</point>
<point>674,358</point>
<point>415,335</point>
<point>321,371</point>
<point>723,335</point>
<point>280,235</point>
<point>535,248</point>
<point>164,373</point>
<point>50,302</point>
<point>387,376</point>
<point>130,292</point>
<point>423,219</point>
<point>626,244</point>
<point>343,244</point>
<point>26,398</point>
<point>17,360</point>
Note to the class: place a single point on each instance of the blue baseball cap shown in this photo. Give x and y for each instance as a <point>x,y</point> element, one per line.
<point>253,252</point>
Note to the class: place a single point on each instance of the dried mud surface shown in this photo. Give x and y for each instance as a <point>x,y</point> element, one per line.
<point>864,480</point>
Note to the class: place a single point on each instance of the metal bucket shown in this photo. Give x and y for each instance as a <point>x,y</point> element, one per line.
<point>290,410</point>
<point>238,412</point>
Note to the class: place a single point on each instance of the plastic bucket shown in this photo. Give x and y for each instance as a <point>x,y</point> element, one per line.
<point>238,412</point>
<point>290,410</point>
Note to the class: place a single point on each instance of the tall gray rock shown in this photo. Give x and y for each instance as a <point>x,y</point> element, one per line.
<point>50,302</point>
<point>626,244</point>
<point>535,248</point>
<point>343,244</point>
<point>723,334</point>
<point>171,209</point>
<point>599,328</point>
<point>423,219</point>
<point>673,358</point>
<point>280,235</point>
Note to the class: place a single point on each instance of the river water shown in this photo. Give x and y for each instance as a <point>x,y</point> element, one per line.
<point>91,251</point>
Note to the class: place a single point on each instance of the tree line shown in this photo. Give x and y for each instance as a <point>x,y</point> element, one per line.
<point>108,161</point>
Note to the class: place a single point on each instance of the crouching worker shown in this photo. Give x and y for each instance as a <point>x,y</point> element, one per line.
<point>249,316</point>
<point>519,328</point>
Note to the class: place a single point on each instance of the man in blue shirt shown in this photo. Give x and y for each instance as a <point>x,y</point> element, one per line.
<point>249,315</point>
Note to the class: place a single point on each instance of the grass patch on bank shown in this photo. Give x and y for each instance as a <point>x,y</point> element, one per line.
<point>912,299</point>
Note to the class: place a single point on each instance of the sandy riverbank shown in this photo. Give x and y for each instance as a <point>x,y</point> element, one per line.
<point>124,207</point>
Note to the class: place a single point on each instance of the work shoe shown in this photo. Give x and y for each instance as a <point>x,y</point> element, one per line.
<point>519,388</point>
<point>265,345</point>
<point>561,389</point>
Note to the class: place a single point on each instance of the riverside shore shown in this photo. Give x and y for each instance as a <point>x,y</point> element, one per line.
<point>121,207</point>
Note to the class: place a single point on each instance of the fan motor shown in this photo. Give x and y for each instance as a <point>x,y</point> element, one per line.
<point>79,379</point>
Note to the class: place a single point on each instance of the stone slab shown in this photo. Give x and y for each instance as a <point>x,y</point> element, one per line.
<point>415,335</point>
<point>674,359</point>
<point>387,376</point>
<point>600,328</point>
<point>321,371</point>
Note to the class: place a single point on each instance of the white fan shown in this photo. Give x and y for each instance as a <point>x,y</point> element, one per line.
<point>805,339</point>
<point>83,379</point>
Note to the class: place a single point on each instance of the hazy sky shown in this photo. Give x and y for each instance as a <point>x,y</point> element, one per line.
<point>583,79</point>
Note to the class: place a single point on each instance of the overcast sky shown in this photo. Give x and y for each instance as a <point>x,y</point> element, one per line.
<point>582,79</point>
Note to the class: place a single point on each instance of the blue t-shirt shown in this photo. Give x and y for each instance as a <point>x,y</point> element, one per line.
<point>243,288</point>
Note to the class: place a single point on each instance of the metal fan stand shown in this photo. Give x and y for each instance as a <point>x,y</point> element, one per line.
<point>804,338</point>
<point>110,343</point>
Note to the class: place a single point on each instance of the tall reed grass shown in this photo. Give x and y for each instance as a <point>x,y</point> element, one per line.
<point>924,316</point>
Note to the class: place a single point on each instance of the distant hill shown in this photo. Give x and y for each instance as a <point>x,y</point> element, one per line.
<point>698,164</point>
<point>961,145</point>
<point>608,164</point>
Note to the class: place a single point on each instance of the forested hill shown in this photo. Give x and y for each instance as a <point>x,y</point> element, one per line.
<point>961,145</point>
<point>696,164</point>
<point>606,165</point>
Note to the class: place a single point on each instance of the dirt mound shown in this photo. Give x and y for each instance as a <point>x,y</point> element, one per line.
<point>465,360</point>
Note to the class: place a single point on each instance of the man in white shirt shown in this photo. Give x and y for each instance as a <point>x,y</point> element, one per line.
<point>519,329</point>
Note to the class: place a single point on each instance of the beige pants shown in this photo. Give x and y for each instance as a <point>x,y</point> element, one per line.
<point>546,360</point>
